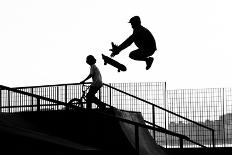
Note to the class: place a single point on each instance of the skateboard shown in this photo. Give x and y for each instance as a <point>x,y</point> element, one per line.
<point>112,62</point>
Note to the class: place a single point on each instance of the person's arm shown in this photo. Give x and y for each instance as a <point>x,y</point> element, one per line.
<point>117,49</point>
<point>126,43</point>
<point>87,78</point>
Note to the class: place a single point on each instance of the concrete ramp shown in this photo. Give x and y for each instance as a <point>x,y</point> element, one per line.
<point>19,135</point>
<point>147,145</point>
<point>89,131</point>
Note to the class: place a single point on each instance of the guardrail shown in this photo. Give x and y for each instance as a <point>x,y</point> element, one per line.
<point>126,101</point>
<point>153,106</point>
<point>21,94</point>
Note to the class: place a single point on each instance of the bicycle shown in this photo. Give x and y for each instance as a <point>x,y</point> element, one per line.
<point>80,102</point>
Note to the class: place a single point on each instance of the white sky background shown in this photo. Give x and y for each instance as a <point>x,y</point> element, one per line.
<point>47,41</point>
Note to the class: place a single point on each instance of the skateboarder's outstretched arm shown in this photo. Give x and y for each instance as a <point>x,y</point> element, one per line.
<point>126,43</point>
<point>117,49</point>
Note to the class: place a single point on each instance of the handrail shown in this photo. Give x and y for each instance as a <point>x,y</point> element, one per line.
<point>212,130</point>
<point>157,106</point>
<point>136,124</point>
<point>55,85</point>
<point>32,95</point>
<point>174,132</point>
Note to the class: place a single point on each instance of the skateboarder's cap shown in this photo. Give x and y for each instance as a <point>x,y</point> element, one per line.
<point>135,19</point>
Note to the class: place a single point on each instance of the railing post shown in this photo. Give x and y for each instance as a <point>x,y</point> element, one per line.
<point>137,138</point>
<point>181,143</point>
<point>110,95</point>
<point>165,112</point>
<point>65,94</point>
<point>57,96</point>
<point>9,99</point>
<point>213,140</point>
<point>32,91</point>
<point>153,120</point>
<point>38,104</point>
<point>0,100</point>
<point>100,94</point>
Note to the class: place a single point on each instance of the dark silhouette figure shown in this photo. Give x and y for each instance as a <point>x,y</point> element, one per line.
<point>143,39</point>
<point>95,85</point>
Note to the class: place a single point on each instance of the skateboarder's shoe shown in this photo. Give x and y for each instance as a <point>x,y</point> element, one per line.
<point>149,62</point>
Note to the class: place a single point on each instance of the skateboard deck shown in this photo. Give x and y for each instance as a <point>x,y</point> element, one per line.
<point>112,62</point>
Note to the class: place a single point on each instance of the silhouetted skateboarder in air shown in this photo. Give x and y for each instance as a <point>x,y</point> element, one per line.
<point>95,85</point>
<point>143,39</point>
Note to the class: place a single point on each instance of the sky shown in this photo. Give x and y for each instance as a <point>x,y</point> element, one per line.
<point>46,41</point>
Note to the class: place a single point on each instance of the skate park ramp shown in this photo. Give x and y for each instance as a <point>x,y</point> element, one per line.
<point>147,145</point>
<point>18,135</point>
<point>79,130</point>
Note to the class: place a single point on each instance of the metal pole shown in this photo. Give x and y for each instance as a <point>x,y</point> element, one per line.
<point>153,120</point>
<point>110,95</point>
<point>100,94</point>
<point>223,115</point>
<point>32,91</point>
<point>9,99</point>
<point>1,100</point>
<point>65,93</point>
<point>57,96</point>
<point>38,104</point>
<point>165,112</point>
<point>137,138</point>
<point>213,138</point>
<point>181,143</point>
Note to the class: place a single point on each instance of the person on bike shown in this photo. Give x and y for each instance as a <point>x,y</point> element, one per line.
<point>96,83</point>
<point>143,39</point>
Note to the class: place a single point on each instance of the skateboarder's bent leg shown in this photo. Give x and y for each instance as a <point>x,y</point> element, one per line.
<point>143,55</point>
<point>91,98</point>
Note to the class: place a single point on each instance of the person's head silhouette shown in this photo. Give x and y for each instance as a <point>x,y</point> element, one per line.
<point>135,21</point>
<point>90,60</point>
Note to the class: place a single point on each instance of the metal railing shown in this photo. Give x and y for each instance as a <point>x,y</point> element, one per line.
<point>153,107</point>
<point>211,107</point>
<point>16,101</point>
<point>124,98</point>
